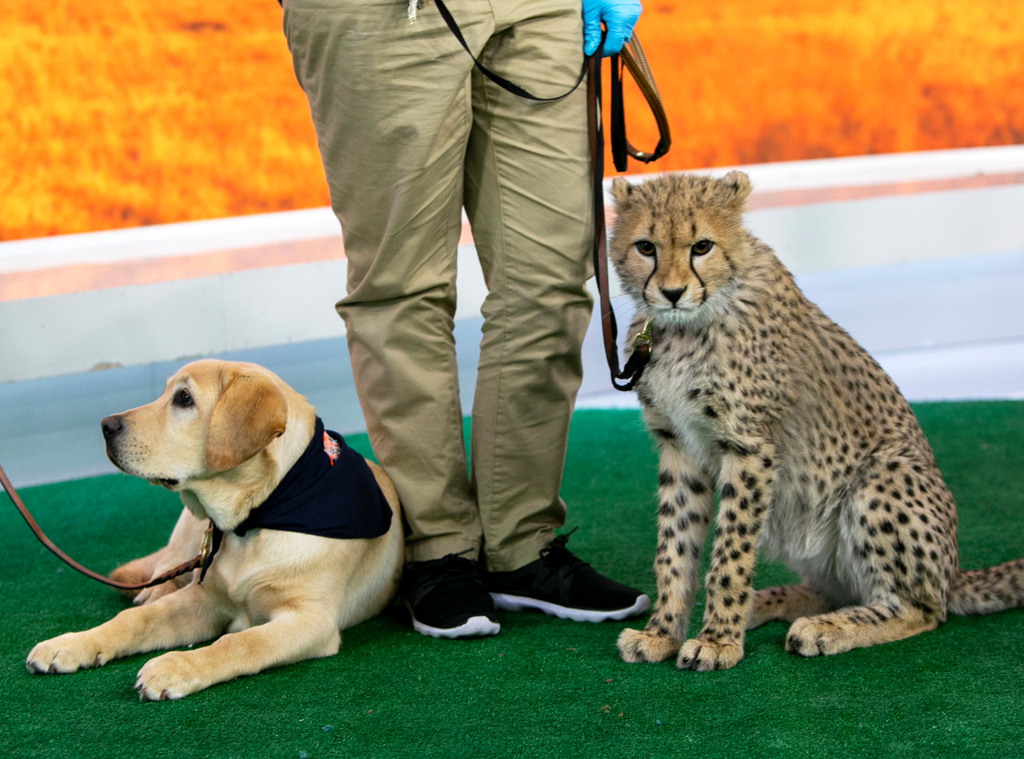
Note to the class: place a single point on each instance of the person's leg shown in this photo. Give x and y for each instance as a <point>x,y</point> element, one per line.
<point>528,195</point>
<point>391,106</point>
<point>390,102</point>
<point>528,198</point>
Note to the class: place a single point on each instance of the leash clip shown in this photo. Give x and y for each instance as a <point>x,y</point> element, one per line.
<point>204,553</point>
<point>642,340</point>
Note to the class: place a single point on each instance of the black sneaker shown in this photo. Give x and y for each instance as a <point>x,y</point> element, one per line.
<point>558,583</point>
<point>447,599</point>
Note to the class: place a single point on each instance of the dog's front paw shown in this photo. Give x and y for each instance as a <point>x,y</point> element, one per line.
<point>65,654</point>
<point>640,645</point>
<point>705,655</point>
<point>169,677</point>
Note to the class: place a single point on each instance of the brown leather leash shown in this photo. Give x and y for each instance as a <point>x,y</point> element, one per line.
<point>634,60</point>
<point>188,566</point>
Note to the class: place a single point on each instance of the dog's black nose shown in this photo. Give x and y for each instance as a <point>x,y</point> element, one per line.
<point>673,295</point>
<point>112,427</point>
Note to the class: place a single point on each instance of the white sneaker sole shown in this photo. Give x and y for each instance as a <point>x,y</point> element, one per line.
<point>471,628</point>
<point>508,602</point>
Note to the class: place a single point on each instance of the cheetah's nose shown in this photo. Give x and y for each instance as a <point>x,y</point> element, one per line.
<point>673,295</point>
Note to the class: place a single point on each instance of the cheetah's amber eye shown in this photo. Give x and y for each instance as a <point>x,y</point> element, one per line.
<point>702,247</point>
<point>646,248</point>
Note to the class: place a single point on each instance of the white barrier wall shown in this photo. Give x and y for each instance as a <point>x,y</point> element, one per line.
<point>943,314</point>
<point>130,297</point>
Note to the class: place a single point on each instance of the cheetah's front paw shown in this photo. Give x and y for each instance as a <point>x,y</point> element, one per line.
<point>65,654</point>
<point>169,677</point>
<point>640,645</point>
<point>809,638</point>
<point>705,655</point>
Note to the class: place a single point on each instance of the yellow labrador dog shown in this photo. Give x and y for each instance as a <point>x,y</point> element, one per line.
<point>226,435</point>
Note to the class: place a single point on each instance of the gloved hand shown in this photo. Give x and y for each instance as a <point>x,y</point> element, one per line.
<point>618,16</point>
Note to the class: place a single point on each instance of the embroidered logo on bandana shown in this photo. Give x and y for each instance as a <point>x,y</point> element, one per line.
<point>331,448</point>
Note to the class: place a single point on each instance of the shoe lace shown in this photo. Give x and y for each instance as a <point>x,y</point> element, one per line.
<point>560,559</point>
<point>449,567</point>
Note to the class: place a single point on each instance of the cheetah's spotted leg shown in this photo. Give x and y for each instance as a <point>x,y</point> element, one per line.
<point>856,627</point>
<point>786,604</point>
<point>745,488</point>
<point>902,535</point>
<point>685,503</point>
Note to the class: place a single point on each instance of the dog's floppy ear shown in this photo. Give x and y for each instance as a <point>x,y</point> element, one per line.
<point>250,412</point>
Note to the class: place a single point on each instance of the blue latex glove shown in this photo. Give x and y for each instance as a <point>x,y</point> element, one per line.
<point>618,16</point>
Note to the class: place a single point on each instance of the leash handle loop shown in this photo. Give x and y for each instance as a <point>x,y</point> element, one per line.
<point>631,56</point>
<point>635,61</point>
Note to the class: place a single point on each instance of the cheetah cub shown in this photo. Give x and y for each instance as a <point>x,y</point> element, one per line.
<point>817,458</point>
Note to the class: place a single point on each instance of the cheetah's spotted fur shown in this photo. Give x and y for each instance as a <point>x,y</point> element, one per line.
<point>817,458</point>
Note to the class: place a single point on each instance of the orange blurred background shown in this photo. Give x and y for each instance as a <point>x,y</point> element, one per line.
<point>127,113</point>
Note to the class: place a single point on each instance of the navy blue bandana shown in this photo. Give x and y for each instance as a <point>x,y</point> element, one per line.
<point>330,491</point>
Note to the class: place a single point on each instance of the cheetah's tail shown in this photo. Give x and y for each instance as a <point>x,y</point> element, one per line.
<point>984,591</point>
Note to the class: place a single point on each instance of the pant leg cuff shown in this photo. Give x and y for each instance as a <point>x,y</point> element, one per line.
<point>521,554</point>
<point>437,549</point>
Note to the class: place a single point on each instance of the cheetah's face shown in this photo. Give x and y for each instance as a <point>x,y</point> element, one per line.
<point>678,240</point>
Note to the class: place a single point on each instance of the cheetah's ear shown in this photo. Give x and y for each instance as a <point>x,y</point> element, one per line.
<point>738,185</point>
<point>622,191</point>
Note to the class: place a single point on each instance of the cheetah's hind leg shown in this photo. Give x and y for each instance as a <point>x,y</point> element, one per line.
<point>787,603</point>
<point>856,627</point>
<point>901,524</point>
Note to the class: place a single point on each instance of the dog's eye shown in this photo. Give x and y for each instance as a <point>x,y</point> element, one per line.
<point>702,247</point>
<point>183,399</point>
<point>646,248</point>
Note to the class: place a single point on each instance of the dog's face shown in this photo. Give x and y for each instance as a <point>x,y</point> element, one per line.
<point>211,417</point>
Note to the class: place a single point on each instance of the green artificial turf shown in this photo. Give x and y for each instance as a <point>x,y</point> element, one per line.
<point>543,687</point>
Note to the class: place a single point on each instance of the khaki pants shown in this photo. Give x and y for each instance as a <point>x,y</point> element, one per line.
<point>410,133</point>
